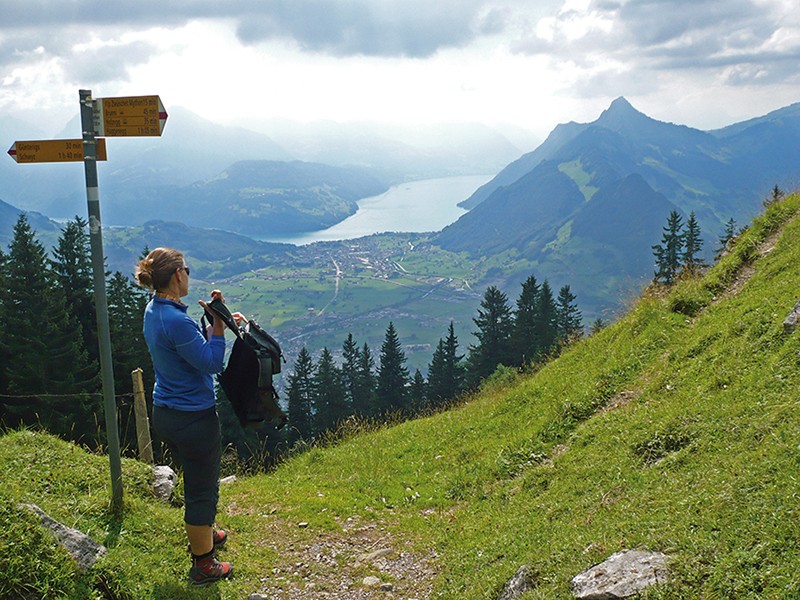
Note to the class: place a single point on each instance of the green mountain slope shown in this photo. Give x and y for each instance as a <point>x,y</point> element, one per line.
<point>718,175</point>
<point>673,430</point>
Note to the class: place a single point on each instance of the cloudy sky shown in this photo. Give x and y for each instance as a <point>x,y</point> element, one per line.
<point>533,63</point>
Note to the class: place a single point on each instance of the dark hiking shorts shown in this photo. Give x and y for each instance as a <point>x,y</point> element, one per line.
<point>194,440</point>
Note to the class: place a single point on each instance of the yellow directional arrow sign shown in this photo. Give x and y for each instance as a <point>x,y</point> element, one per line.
<point>53,151</point>
<point>129,116</point>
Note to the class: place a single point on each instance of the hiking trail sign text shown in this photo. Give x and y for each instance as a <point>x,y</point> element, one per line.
<point>129,116</point>
<point>38,151</point>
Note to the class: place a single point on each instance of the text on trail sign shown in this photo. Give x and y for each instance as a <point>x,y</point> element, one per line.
<point>39,151</point>
<point>129,116</point>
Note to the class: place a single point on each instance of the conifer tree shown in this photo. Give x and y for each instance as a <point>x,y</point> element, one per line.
<point>72,266</point>
<point>48,357</point>
<point>727,235</point>
<point>350,357</point>
<point>568,318</point>
<point>776,194</point>
<point>364,385</point>
<point>126,304</point>
<point>525,340</point>
<point>446,371</point>
<point>692,245</point>
<point>437,392</point>
<point>6,352</point>
<point>329,403</point>
<point>495,326</point>
<point>393,376</point>
<point>418,392</point>
<point>300,397</point>
<point>546,329</point>
<point>669,253</point>
<point>597,325</point>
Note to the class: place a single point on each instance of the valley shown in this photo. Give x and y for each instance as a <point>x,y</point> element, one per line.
<point>321,292</point>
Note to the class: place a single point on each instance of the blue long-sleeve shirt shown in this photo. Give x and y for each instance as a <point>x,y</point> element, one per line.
<point>182,358</point>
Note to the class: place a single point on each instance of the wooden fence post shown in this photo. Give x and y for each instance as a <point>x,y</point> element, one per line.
<point>142,421</point>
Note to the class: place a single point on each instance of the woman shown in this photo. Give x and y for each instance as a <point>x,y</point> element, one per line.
<point>184,406</point>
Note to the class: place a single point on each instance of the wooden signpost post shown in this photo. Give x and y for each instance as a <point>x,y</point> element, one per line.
<point>109,117</point>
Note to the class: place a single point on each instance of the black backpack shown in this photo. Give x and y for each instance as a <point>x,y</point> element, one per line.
<point>247,379</point>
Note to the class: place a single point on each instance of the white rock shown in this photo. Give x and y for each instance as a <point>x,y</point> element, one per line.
<point>622,575</point>
<point>163,482</point>
<point>83,549</point>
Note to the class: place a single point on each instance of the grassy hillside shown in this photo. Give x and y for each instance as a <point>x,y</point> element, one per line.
<point>673,430</point>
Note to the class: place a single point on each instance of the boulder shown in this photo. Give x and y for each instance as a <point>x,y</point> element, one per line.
<point>622,575</point>
<point>790,322</point>
<point>163,482</point>
<point>81,547</point>
<point>522,581</point>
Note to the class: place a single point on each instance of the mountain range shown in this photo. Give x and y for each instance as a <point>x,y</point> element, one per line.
<point>192,151</point>
<point>586,206</point>
<point>583,208</point>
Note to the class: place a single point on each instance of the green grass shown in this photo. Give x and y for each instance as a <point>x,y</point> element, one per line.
<point>673,430</point>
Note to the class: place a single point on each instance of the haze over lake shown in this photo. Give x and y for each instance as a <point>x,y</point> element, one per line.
<point>414,206</point>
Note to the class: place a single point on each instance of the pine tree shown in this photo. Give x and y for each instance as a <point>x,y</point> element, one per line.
<point>48,357</point>
<point>437,385</point>
<point>727,236</point>
<point>597,325</point>
<point>526,344</point>
<point>329,403</point>
<point>446,371</point>
<point>568,318</point>
<point>776,194</point>
<point>495,326</point>
<point>72,266</point>
<point>126,304</point>
<point>669,253</point>
<point>393,376</point>
<point>692,245</point>
<point>6,352</point>
<point>364,388</point>
<point>300,397</point>
<point>546,330</point>
<point>418,392</point>
<point>350,357</point>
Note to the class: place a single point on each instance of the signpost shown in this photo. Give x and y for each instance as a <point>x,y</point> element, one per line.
<point>53,151</point>
<point>111,117</point>
<point>129,116</point>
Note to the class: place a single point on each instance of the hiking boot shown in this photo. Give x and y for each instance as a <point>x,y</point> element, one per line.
<point>219,536</point>
<point>207,569</point>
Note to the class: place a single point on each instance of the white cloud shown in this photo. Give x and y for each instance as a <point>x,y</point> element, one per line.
<point>405,61</point>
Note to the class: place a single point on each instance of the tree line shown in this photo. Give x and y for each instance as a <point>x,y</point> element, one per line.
<point>322,394</point>
<point>49,374</point>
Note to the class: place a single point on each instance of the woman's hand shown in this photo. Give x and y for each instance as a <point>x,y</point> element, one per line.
<point>239,318</point>
<point>218,326</point>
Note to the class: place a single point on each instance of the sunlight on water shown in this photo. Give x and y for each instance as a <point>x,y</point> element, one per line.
<point>415,206</point>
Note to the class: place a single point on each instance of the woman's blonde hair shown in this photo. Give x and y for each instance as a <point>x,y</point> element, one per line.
<point>155,271</point>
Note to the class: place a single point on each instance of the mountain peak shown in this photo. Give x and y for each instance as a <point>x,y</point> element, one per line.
<point>620,109</point>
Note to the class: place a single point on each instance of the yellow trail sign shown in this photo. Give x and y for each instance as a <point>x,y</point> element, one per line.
<point>129,116</point>
<point>39,151</point>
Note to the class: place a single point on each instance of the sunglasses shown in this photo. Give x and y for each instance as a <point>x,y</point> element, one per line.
<point>185,270</point>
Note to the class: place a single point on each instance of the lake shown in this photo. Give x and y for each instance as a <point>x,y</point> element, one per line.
<point>414,206</point>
